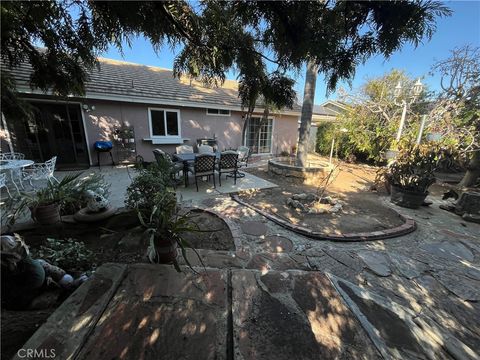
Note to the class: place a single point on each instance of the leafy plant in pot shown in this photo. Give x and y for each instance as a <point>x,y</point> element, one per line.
<point>164,225</point>
<point>411,174</point>
<point>45,204</point>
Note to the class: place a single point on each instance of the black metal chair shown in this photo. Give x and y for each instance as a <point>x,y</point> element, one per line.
<point>228,164</point>
<point>204,165</point>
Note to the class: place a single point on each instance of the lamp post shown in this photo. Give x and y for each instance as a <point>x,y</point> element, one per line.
<point>405,103</point>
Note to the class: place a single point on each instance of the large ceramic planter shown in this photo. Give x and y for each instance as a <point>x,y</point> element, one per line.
<point>166,250</point>
<point>46,214</point>
<point>406,198</point>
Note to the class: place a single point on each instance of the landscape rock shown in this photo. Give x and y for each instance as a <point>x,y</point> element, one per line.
<point>471,217</point>
<point>406,266</point>
<point>469,202</point>
<point>295,204</point>
<point>454,251</point>
<point>308,197</point>
<point>462,286</point>
<point>327,200</point>
<point>376,261</point>
<point>336,208</point>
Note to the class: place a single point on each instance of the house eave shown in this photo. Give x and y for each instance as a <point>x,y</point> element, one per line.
<point>89,95</point>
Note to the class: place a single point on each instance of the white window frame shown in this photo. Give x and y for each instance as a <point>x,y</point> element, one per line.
<point>179,123</point>
<point>271,136</point>
<point>229,112</point>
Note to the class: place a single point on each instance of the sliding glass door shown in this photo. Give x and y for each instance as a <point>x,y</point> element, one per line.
<point>258,136</point>
<point>56,129</point>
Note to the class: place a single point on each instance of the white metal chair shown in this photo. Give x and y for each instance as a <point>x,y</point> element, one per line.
<point>243,156</point>
<point>3,183</point>
<point>41,171</point>
<point>205,149</point>
<point>12,156</point>
<point>184,149</point>
<point>17,173</point>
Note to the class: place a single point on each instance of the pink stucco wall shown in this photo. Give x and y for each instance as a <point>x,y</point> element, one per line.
<point>195,123</point>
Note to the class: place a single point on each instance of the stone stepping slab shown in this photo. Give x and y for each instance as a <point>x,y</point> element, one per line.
<point>293,315</point>
<point>255,228</point>
<point>158,313</point>
<point>67,328</point>
<point>398,332</point>
<point>141,311</point>
<point>277,244</point>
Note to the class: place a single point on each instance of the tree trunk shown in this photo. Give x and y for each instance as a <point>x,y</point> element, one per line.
<point>307,110</point>
<point>473,171</point>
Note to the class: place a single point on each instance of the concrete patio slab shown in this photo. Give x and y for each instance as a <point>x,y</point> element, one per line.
<point>206,189</point>
<point>120,178</point>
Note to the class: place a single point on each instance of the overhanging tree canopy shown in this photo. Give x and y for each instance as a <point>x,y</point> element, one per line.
<point>263,40</point>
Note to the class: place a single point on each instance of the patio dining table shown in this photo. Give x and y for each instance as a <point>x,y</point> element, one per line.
<point>14,167</point>
<point>188,159</point>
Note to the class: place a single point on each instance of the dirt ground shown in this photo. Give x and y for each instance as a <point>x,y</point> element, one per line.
<point>110,241</point>
<point>361,212</point>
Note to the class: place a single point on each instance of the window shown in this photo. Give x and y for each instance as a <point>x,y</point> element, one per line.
<point>219,112</point>
<point>259,135</point>
<point>164,122</point>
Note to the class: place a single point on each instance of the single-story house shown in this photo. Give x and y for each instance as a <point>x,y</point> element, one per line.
<point>328,111</point>
<point>140,108</point>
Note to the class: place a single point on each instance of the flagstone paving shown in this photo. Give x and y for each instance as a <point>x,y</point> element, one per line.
<point>281,295</point>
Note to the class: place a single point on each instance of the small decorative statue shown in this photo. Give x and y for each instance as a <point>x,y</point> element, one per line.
<point>23,278</point>
<point>96,201</point>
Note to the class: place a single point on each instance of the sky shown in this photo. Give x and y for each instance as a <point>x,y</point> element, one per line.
<point>461,28</point>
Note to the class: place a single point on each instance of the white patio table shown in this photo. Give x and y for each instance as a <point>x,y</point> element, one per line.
<point>14,167</point>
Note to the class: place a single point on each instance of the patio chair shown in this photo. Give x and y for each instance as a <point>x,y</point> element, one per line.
<point>41,171</point>
<point>243,156</point>
<point>204,165</point>
<point>177,166</point>
<point>184,149</point>
<point>205,149</point>
<point>227,164</point>
<point>12,156</point>
<point>3,183</point>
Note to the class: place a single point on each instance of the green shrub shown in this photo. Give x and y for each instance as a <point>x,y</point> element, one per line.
<point>147,184</point>
<point>326,131</point>
<point>67,254</point>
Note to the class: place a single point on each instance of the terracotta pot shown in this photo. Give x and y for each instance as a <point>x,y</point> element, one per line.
<point>46,214</point>
<point>166,250</point>
<point>406,198</point>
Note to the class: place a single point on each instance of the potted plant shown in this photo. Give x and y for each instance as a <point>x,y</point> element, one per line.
<point>45,204</point>
<point>164,226</point>
<point>411,174</point>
